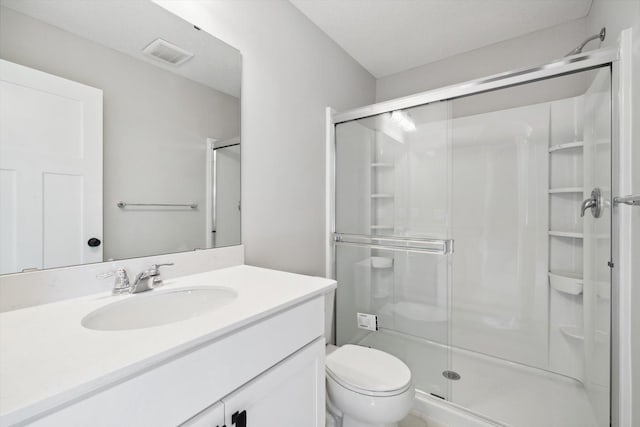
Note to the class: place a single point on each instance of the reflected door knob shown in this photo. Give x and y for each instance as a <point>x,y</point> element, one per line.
<point>594,203</point>
<point>93,242</point>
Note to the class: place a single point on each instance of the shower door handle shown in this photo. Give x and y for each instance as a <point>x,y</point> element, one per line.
<point>594,203</point>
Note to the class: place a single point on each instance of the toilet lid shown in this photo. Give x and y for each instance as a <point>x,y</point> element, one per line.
<point>368,369</point>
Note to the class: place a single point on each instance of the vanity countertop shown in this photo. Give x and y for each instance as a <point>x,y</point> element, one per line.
<point>48,358</point>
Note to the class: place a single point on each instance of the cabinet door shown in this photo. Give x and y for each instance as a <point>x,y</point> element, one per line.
<point>213,416</point>
<point>289,394</point>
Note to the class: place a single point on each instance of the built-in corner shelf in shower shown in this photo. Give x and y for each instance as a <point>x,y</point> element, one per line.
<point>382,227</point>
<point>566,282</point>
<point>572,332</point>
<point>381,263</point>
<point>382,196</point>
<point>566,146</point>
<point>568,234</point>
<point>564,190</point>
<point>381,165</point>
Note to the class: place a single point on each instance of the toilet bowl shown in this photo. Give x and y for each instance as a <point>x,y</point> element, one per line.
<point>367,387</point>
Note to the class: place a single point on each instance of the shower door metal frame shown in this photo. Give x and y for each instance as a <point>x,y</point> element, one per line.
<point>607,57</point>
<point>568,65</point>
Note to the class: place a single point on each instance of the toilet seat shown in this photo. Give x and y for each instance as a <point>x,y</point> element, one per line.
<point>368,371</point>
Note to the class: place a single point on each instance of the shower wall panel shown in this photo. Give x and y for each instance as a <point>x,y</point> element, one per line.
<point>423,171</point>
<point>500,203</point>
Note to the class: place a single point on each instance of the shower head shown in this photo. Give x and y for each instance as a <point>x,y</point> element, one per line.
<point>601,35</point>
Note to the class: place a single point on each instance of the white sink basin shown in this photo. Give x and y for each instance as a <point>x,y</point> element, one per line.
<point>157,308</point>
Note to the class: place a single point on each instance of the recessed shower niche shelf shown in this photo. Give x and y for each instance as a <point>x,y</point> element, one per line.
<point>381,263</point>
<point>568,234</point>
<point>382,196</point>
<point>382,227</point>
<point>566,282</point>
<point>566,146</point>
<point>381,165</point>
<point>572,332</point>
<point>564,190</point>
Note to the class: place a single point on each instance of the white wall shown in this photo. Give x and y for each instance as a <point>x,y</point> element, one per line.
<point>154,140</point>
<point>616,15</point>
<point>291,72</point>
<point>529,50</point>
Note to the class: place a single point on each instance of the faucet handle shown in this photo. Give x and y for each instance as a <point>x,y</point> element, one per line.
<point>119,273</point>
<point>121,284</point>
<point>154,270</point>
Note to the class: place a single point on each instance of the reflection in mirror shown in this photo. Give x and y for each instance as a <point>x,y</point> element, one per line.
<point>119,134</point>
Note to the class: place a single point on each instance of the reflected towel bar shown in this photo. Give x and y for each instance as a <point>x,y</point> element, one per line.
<point>123,205</point>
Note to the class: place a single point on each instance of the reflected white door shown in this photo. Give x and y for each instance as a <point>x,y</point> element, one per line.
<point>223,192</point>
<point>50,170</point>
<point>228,196</point>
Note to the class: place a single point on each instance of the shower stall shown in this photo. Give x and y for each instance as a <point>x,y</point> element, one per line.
<point>472,239</point>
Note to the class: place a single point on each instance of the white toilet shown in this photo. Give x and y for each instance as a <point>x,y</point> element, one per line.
<point>367,387</point>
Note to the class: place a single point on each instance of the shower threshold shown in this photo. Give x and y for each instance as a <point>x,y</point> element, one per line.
<point>497,391</point>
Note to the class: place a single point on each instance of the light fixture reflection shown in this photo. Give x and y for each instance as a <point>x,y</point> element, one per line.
<point>403,120</point>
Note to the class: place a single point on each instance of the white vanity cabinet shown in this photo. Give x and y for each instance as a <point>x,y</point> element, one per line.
<point>213,416</point>
<point>289,394</point>
<point>269,372</point>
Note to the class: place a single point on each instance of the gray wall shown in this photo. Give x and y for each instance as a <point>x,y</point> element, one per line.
<point>155,129</point>
<point>529,50</point>
<point>291,72</point>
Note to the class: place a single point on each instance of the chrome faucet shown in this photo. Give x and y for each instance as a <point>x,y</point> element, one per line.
<point>144,281</point>
<point>148,279</point>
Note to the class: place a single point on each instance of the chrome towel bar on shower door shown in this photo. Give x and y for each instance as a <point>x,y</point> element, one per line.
<point>410,244</point>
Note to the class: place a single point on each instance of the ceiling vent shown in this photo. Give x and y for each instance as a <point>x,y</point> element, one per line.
<point>167,52</point>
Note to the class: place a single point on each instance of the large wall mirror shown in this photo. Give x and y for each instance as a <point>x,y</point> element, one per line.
<point>119,134</point>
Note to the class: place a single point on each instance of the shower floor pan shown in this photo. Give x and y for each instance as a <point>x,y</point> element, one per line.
<point>501,391</point>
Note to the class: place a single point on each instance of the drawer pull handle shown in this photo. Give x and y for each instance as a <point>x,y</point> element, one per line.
<point>239,419</point>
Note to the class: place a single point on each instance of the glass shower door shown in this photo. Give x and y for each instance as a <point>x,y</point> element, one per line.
<point>392,249</point>
<point>515,324</point>
<point>530,306</point>
<point>405,294</point>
